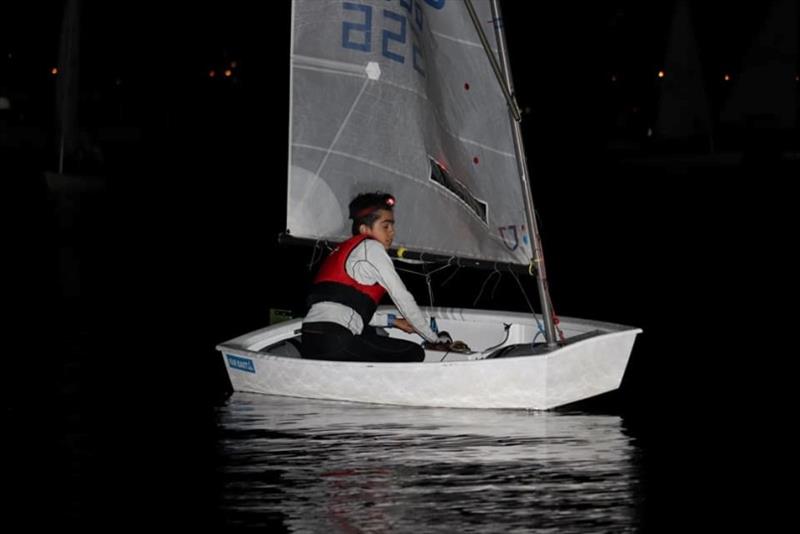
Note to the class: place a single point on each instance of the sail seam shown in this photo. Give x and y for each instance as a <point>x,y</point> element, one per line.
<point>490,149</point>
<point>341,128</point>
<point>362,160</point>
<point>460,41</point>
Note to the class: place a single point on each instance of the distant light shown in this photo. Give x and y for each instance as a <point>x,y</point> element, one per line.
<point>613,77</point>
<point>727,77</point>
<point>228,73</point>
<point>661,74</point>
<point>233,64</point>
<point>54,71</point>
<point>212,73</point>
<point>10,55</point>
<point>117,81</point>
<point>797,78</point>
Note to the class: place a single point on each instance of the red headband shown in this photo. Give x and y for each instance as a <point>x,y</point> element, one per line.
<point>388,204</point>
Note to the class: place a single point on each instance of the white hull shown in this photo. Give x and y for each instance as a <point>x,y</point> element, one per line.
<point>573,372</point>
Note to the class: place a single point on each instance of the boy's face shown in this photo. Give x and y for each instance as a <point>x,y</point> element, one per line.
<point>382,229</point>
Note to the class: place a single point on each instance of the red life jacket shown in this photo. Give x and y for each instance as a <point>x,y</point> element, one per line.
<point>333,284</point>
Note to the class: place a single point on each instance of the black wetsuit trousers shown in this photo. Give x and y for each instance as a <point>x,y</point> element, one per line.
<point>330,341</point>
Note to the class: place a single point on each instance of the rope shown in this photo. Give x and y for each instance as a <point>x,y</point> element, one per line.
<point>507,327</point>
<point>314,254</point>
<point>530,306</point>
<point>458,268</point>
<point>483,286</point>
<point>556,320</point>
<point>497,283</point>
<point>428,283</point>
<point>428,274</point>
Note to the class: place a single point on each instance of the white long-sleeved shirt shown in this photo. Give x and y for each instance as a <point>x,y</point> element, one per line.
<point>368,263</point>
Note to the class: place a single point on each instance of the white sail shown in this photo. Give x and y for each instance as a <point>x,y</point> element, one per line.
<point>765,96</point>
<point>67,81</point>
<point>400,97</point>
<point>683,110</point>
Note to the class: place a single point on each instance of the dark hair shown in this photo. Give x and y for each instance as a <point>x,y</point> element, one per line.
<point>364,208</point>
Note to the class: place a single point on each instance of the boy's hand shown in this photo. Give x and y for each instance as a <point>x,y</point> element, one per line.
<point>403,325</point>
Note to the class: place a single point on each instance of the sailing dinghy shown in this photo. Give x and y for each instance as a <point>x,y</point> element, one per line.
<point>415,98</point>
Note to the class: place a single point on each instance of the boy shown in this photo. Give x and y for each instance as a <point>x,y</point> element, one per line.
<point>349,287</point>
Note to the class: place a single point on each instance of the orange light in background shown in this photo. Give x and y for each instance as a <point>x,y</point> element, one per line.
<point>228,73</point>
<point>727,77</point>
<point>661,74</point>
<point>54,71</point>
<point>233,64</point>
<point>212,73</point>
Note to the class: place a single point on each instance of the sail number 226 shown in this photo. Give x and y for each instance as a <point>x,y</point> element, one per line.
<point>357,30</point>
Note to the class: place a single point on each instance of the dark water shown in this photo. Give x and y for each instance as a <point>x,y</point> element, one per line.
<point>324,466</point>
<point>298,465</point>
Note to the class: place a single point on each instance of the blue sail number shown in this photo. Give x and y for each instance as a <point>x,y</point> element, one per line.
<point>357,32</point>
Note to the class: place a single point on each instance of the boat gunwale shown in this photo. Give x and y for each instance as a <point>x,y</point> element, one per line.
<point>237,350</point>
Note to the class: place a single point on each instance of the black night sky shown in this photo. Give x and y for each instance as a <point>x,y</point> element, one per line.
<point>175,250</point>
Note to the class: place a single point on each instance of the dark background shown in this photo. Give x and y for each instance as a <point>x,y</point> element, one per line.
<point>176,250</point>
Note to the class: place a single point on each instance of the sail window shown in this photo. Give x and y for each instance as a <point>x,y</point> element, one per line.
<point>441,176</point>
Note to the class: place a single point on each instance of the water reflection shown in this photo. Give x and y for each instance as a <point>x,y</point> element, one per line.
<point>320,466</point>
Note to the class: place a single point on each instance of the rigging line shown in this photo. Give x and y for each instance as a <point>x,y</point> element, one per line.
<point>497,283</point>
<point>510,100</point>
<point>427,278</point>
<point>522,289</point>
<point>445,266</point>
<point>446,280</point>
<point>507,327</point>
<point>556,320</point>
<point>409,271</point>
<point>483,286</point>
<point>311,263</point>
<point>428,283</point>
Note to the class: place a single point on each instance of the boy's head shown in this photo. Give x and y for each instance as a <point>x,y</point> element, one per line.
<point>364,208</point>
<point>372,215</point>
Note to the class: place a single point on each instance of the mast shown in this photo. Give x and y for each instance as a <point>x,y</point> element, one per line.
<point>67,81</point>
<point>503,73</point>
